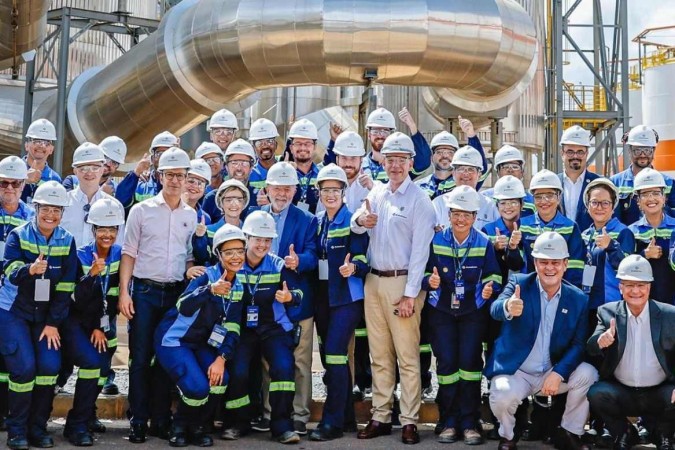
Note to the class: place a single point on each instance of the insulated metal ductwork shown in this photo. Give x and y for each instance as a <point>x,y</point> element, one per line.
<point>207,53</point>
<point>22,28</point>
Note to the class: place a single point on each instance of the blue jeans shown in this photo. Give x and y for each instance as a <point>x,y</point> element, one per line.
<point>149,385</point>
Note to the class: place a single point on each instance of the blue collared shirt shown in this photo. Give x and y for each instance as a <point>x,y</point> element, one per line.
<point>280,221</point>
<point>538,361</point>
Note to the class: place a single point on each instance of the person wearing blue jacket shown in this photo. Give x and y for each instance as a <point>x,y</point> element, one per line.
<point>296,244</point>
<point>266,331</point>
<point>263,137</point>
<point>541,346</point>
<point>462,275</point>
<point>40,138</point>
<point>510,161</point>
<point>547,189</point>
<point>339,301</point>
<point>198,337</point>
<point>89,332</point>
<point>39,270</point>
<point>303,135</point>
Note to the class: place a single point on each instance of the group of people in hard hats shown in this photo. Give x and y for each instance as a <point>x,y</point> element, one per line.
<point>225,265</point>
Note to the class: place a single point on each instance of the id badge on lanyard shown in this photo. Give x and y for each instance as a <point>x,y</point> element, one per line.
<point>253,310</point>
<point>217,336</point>
<point>458,295</point>
<point>43,285</point>
<point>589,269</point>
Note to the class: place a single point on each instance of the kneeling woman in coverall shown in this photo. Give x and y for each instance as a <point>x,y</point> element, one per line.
<point>88,330</point>
<point>40,268</point>
<point>197,338</point>
<point>266,331</point>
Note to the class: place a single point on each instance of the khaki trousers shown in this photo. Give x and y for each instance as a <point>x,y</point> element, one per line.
<point>393,338</point>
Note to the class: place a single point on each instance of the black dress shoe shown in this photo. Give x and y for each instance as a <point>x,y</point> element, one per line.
<point>17,443</point>
<point>42,440</point>
<point>440,426</point>
<point>506,444</point>
<point>95,426</point>
<point>570,441</point>
<point>137,433</point>
<point>409,434</point>
<point>199,437</point>
<point>81,439</point>
<point>178,437</point>
<point>374,429</point>
<point>325,433</point>
<point>110,388</point>
<point>161,430</point>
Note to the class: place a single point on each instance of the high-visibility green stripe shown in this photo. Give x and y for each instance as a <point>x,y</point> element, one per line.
<point>625,189</point>
<point>257,184</point>
<point>340,232</point>
<point>361,332</point>
<point>448,379</point>
<point>11,220</point>
<point>45,380</point>
<point>529,206</point>
<point>21,387</point>
<point>65,287</point>
<point>336,359</point>
<point>269,278</point>
<point>141,197</point>
<point>233,327</point>
<point>495,278</point>
<point>112,342</point>
<point>575,264</point>
<point>13,266</point>
<point>59,251</point>
<point>4,377</point>
<point>469,376</point>
<point>425,348</point>
<point>114,291</point>
<point>216,390</point>
<point>458,253</point>
<point>277,386</point>
<point>194,401</point>
<point>361,258</point>
<point>88,374</point>
<point>238,402</point>
<point>102,381</point>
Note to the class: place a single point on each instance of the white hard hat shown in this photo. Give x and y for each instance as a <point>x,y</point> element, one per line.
<point>13,167</point>
<point>164,139</point>
<point>41,129</point>
<point>262,129</point>
<point>635,268</point>
<point>222,119</point>
<point>260,224</point>
<point>227,233</point>
<point>545,179</point>
<point>51,193</point>
<point>240,147</point>
<point>381,118</point>
<point>200,168</point>
<point>206,148</point>
<point>332,172</point>
<point>303,128</point>
<point>106,212</point>
<point>398,143</point>
<point>463,198</point>
<point>231,183</point>
<point>349,143</point>
<point>444,138</point>
<point>576,135</point>
<point>88,153</point>
<point>641,136</point>
<point>174,158</point>
<point>508,187</point>
<point>282,174</point>
<point>648,178</point>
<point>467,156</point>
<point>602,181</point>
<point>114,148</point>
<point>508,153</point>
<point>550,245</point>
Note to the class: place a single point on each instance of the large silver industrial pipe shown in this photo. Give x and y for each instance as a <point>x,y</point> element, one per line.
<point>22,28</point>
<point>207,53</point>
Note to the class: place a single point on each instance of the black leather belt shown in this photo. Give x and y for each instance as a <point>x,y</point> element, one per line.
<point>157,284</point>
<point>389,273</point>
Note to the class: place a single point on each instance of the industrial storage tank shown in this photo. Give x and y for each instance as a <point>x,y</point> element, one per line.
<point>658,108</point>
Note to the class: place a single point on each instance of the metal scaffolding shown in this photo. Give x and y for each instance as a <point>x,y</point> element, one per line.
<point>601,108</point>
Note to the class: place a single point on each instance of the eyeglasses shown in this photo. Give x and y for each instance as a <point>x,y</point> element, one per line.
<point>4,184</point>
<point>51,210</point>
<point>444,152</point>
<point>652,194</point>
<point>88,169</point>
<point>602,204</point>
<point>545,197</point>
<point>105,230</point>
<point>263,142</point>
<point>174,176</point>
<point>196,182</point>
<point>43,142</point>
<point>239,163</point>
<point>462,214</point>
<point>396,160</point>
<point>331,191</point>
<point>232,252</point>
<point>465,169</point>
<point>302,144</point>
<point>232,200</point>
<point>381,132</point>
<point>110,162</point>
<point>639,286</point>
<point>577,153</point>
<point>642,151</point>
<point>223,131</point>
<point>510,166</point>
<point>211,160</point>
<point>508,203</point>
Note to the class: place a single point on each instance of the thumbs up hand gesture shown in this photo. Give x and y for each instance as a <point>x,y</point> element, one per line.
<point>261,197</point>
<point>487,291</point>
<point>221,287</point>
<point>466,126</point>
<point>143,165</point>
<point>292,260</point>
<point>653,250</point>
<point>365,180</point>
<point>348,268</point>
<point>283,295</point>
<point>97,266</point>
<point>34,174</point>
<point>367,219</point>
<point>500,240</point>
<point>39,267</point>
<point>516,237</point>
<point>514,305</point>
<point>603,239</point>
<point>201,227</point>
<point>434,279</point>
<point>607,338</point>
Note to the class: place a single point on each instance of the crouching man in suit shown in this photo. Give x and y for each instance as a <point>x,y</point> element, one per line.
<point>636,339</point>
<point>541,345</point>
